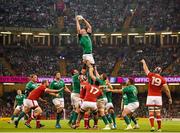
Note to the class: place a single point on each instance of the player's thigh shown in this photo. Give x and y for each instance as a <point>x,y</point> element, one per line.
<point>75,100</point>
<point>88,57</point>
<point>132,106</point>
<point>37,110</point>
<point>109,106</point>
<point>126,111</point>
<point>59,103</point>
<point>158,101</point>
<point>154,101</point>
<point>101,104</point>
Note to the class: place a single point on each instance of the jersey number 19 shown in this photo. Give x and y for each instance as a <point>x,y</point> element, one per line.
<point>156,81</point>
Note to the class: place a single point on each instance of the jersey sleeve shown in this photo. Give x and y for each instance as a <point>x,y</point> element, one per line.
<point>163,81</point>
<point>51,85</point>
<point>150,74</point>
<point>125,90</point>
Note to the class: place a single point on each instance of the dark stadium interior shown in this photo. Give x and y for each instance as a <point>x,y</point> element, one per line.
<point>24,54</point>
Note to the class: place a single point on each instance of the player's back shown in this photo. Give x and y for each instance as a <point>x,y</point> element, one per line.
<point>83,90</point>
<point>35,94</point>
<point>156,82</point>
<point>92,93</point>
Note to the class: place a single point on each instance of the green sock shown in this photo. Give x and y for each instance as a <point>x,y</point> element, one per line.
<point>109,118</point>
<point>113,116</point>
<point>71,117</point>
<point>22,114</point>
<point>58,117</point>
<point>127,120</point>
<point>75,117</point>
<point>105,120</point>
<point>133,119</point>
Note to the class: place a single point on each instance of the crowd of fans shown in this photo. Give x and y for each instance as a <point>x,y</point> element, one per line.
<point>104,15</point>
<point>45,61</point>
<point>33,13</point>
<point>157,15</point>
<point>154,57</point>
<point>7,101</point>
<point>26,61</point>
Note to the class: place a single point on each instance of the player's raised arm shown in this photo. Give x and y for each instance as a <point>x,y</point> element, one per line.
<point>89,28</point>
<point>96,72</point>
<point>168,93</point>
<point>15,103</point>
<point>93,77</point>
<point>145,67</point>
<point>78,27</point>
<point>109,84</point>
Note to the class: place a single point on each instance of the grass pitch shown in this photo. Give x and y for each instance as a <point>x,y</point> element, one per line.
<point>167,126</point>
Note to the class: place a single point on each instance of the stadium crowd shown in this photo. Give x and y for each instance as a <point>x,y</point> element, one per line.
<point>157,15</point>
<point>104,15</point>
<point>43,61</point>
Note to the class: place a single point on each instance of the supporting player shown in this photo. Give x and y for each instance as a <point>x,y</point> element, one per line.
<point>102,100</point>
<point>31,101</point>
<point>83,82</point>
<point>109,106</point>
<point>132,117</point>
<point>131,92</point>
<point>75,96</point>
<point>154,98</point>
<point>92,92</point>
<point>58,100</point>
<point>85,40</point>
<point>18,105</point>
<point>31,85</point>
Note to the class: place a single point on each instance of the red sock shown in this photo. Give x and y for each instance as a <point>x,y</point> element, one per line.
<point>151,119</point>
<point>86,120</point>
<point>38,121</point>
<point>159,121</point>
<point>29,120</point>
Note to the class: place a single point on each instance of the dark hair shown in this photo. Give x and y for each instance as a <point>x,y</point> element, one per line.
<point>56,73</point>
<point>104,76</point>
<point>158,70</point>
<point>131,80</point>
<point>44,81</point>
<point>32,75</point>
<point>97,83</point>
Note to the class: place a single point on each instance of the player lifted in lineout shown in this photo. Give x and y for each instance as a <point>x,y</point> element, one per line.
<point>85,40</point>
<point>154,98</point>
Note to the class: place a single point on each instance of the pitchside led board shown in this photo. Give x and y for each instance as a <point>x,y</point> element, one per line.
<point>20,79</point>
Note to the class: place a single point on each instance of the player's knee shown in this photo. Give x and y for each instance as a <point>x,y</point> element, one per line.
<point>151,110</point>
<point>157,110</point>
<point>37,111</point>
<point>111,110</point>
<point>26,109</point>
<point>82,111</point>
